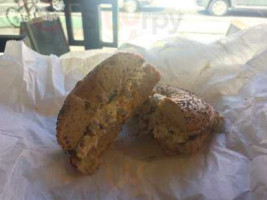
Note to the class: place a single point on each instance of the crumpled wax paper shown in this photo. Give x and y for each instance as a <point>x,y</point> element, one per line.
<point>231,74</point>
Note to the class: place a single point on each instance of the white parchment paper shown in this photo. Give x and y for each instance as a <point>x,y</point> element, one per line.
<point>231,74</point>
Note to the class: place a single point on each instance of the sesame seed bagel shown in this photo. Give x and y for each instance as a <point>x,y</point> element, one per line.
<point>94,112</point>
<point>180,121</point>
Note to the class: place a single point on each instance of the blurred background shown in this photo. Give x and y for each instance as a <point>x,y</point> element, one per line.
<point>142,20</point>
